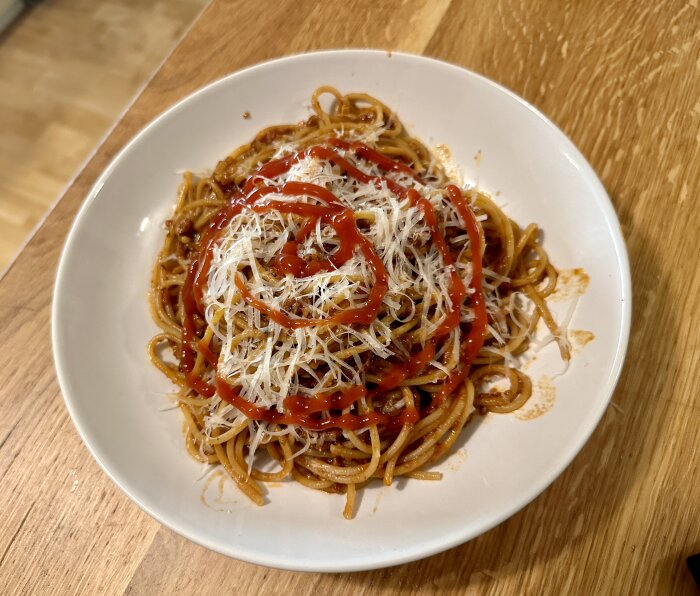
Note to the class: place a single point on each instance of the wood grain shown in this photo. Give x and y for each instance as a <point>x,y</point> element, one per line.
<point>67,70</point>
<point>622,79</point>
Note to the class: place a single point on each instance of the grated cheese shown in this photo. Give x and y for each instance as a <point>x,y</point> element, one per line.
<point>283,362</point>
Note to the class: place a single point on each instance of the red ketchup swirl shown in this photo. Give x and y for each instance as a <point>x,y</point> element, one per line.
<point>308,411</point>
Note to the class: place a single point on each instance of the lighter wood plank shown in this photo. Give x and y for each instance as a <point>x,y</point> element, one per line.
<point>622,79</point>
<point>67,70</point>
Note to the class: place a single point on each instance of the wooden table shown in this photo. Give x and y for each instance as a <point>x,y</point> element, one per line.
<point>622,79</point>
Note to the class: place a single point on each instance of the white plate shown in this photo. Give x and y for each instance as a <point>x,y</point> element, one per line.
<point>101,323</point>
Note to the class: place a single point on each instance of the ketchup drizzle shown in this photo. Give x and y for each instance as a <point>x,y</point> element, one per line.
<point>307,411</point>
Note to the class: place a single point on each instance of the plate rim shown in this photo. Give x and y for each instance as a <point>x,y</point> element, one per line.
<point>386,558</point>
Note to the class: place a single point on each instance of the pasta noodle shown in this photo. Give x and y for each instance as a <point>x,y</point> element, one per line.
<point>333,309</point>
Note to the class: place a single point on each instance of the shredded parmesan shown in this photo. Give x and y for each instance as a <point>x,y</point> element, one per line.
<point>279,362</point>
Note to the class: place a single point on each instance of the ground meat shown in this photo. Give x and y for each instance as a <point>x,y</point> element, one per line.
<point>184,227</point>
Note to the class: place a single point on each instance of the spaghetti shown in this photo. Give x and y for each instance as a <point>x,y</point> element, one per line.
<point>329,300</point>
